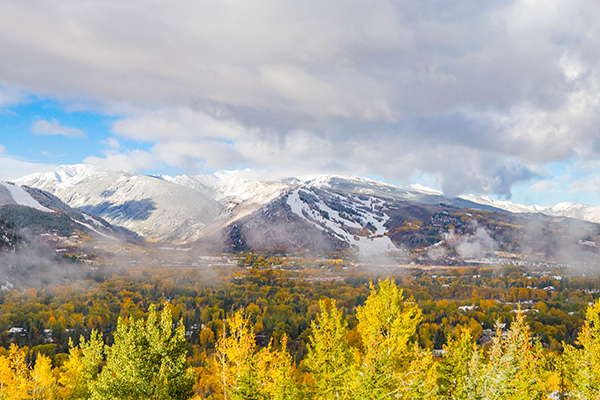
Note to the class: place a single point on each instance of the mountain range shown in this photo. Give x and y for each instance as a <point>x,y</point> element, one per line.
<point>325,213</point>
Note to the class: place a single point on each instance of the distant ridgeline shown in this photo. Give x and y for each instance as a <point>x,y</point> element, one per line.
<point>328,214</point>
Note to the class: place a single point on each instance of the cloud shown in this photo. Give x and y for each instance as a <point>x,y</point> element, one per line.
<point>2,149</point>
<point>54,127</point>
<point>134,160</point>
<point>9,97</point>
<point>112,143</point>
<point>589,184</point>
<point>544,186</point>
<point>13,168</point>
<point>477,95</point>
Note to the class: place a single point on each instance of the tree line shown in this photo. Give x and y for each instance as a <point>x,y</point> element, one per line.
<point>380,358</point>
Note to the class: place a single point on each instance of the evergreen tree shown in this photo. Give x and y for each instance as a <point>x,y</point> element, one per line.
<point>147,361</point>
<point>459,370</point>
<point>517,368</point>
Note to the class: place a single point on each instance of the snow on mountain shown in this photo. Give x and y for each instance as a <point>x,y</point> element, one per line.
<point>565,209</point>
<point>352,219</point>
<point>239,196</point>
<point>152,207</point>
<point>351,211</point>
<point>14,194</point>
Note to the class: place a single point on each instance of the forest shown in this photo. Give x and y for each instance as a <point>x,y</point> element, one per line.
<point>267,328</point>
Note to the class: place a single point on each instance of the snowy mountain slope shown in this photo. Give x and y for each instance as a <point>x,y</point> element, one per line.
<point>321,213</point>
<point>28,213</point>
<point>239,196</point>
<point>14,194</point>
<point>569,210</point>
<point>152,207</point>
<point>358,221</point>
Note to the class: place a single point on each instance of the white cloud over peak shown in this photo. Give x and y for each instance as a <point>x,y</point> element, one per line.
<point>135,160</point>
<point>544,186</point>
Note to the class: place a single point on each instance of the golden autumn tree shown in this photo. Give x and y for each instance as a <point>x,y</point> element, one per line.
<point>330,360</point>
<point>244,372</point>
<point>392,366</point>
<point>582,365</point>
<point>81,368</point>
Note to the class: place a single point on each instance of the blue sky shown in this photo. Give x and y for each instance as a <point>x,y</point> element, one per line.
<point>499,98</point>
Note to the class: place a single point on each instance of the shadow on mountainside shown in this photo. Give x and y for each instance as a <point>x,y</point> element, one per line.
<point>138,210</point>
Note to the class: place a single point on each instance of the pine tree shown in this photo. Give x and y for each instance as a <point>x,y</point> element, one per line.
<point>459,370</point>
<point>147,361</point>
<point>517,368</point>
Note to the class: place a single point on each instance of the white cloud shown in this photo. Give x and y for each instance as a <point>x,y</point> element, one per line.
<point>135,160</point>
<point>589,184</point>
<point>112,143</point>
<point>9,97</point>
<point>54,127</point>
<point>478,95</point>
<point>13,168</point>
<point>177,124</point>
<point>544,186</point>
<point>2,149</point>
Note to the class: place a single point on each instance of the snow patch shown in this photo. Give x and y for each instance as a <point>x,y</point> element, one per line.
<point>21,197</point>
<point>327,219</point>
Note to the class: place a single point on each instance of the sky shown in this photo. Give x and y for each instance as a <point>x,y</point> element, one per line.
<point>485,97</point>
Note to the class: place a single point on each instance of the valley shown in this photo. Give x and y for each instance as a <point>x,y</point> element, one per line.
<point>85,251</point>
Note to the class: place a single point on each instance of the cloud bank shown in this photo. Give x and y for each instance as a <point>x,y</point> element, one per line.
<point>477,95</point>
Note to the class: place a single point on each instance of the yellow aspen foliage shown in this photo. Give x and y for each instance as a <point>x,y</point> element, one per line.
<point>81,368</point>
<point>246,373</point>
<point>330,360</point>
<point>43,383</point>
<point>582,366</point>
<point>7,378</point>
<point>392,366</point>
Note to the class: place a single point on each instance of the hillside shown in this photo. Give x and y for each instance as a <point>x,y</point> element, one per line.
<point>351,215</point>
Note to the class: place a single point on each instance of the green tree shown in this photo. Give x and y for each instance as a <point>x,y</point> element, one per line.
<point>147,361</point>
<point>330,360</point>
<point>459,369</point>
<point>517,368</point>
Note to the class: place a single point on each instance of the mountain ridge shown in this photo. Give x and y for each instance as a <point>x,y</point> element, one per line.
<point>343,213</point>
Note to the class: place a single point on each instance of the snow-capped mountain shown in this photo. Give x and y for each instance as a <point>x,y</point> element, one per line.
<point>321,213</point>
<point>14,194</point>
<point>565,209</point>
<point>152,207</point>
